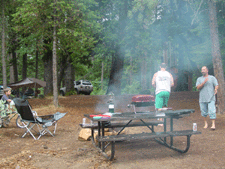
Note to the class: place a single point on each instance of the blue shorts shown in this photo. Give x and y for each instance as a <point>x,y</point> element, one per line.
<point>208,108</point>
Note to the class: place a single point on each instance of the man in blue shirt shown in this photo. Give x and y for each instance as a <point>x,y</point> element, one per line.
<point>208,86</point>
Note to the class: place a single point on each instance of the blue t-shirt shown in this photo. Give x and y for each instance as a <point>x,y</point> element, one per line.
<point>206,93</point>
<point>4,97</point>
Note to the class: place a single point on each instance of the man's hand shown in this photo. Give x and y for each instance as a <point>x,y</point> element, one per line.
<point>215,91</point>
<point>216,88</point>
<point>206,80</point>
<point>200,86</point>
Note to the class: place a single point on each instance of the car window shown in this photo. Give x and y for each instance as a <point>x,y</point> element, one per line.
<point>86,83</point>
<point>78,83</point>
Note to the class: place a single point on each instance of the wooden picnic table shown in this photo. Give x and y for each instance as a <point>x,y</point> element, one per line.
<point>106,143</point>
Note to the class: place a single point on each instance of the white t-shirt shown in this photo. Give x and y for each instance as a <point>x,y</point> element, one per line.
<point>163,82</point>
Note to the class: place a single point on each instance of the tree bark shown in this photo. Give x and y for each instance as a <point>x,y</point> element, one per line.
<point>131,70</point>
<point>144,73</point>
<point>15,65</point>
<point>115,74</point>
<point>54,66</point>
<point>48,76</point>
<point>3,47</point>
<point>36,73</point>
<point>24,71</point>
<point>12,77</point>
<point>69,76</point>
<point>216,56</point>
<point>102,75</point>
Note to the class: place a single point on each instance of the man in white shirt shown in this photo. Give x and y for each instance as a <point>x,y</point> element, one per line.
<point>162,81</point>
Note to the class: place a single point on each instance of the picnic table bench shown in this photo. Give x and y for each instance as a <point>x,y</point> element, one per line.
<point>106,144</point>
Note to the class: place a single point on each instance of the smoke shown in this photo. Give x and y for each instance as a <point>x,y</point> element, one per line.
<point>169,31</point>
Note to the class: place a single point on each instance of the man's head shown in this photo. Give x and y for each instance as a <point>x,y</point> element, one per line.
<point>163,66</point>
<point>204,71</point>
<point>7,91</point>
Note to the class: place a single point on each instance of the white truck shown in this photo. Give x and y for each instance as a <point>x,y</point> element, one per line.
<point>81,87</point>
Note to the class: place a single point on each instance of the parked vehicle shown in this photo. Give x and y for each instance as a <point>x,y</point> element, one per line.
<point>81,87</point>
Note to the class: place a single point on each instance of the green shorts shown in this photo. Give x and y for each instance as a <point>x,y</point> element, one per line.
<point>162,99</point>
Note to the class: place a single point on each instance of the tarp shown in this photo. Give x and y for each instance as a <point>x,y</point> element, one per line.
<point>28,82</point>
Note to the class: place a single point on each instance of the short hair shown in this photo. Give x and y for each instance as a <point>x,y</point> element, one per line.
<point>7,89</point>
<point>163,65</point>
<point>205,67</point>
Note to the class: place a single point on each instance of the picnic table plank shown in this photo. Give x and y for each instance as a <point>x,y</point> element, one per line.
<point>121,124</point>
<point>146,135</point>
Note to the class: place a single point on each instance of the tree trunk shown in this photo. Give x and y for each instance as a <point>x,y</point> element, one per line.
<point>15,70</point>
<point>54,70</point>
<point>115,78</point>
<point>131,70</point>
<point>12,77</point>
<point>47,59</point>
<point>24,71</point>
<point>36,73</point>
<point>115,74</point>
<point>48,76</point>
<point>216,56</point>
<point>69,76</point>
<point>102,75</point>
<point>3,47</point>
<point>144,73</point>
<point>15,65</point>
<point>62,66</point>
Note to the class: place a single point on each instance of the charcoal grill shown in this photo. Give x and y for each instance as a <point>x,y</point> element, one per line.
<point>142,101</point>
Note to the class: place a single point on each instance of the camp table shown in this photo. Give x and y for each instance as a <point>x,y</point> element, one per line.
<point>106,144</point>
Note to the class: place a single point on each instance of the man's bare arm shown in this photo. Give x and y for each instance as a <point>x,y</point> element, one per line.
<point>171,80</point>
<point>216,88</point>
<point>153,79</point>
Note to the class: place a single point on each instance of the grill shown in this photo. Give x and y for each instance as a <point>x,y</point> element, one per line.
<point>142,101</point>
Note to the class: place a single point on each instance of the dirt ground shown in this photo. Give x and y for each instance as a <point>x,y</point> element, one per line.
<point>65,150</point>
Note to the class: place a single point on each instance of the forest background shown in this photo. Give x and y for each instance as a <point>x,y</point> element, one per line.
<point>117,45</point>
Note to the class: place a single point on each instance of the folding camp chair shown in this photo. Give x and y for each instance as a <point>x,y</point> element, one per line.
<point>30,119</point>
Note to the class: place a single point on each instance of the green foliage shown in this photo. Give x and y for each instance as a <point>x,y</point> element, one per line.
<point>71,92</point>
<point>134,88</point>
<point>90,32</point>
<point>97,87</point>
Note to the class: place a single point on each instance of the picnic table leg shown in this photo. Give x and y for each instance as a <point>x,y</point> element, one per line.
<point>124,127</point>
<point>103,134</point>
<point>152,129</point>
<point>99,133</point>
<point>171,129</point>
<point>164,125</point>
<point>110,152</point>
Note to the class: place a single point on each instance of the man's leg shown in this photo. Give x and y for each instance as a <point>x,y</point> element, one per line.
<point>166,96</point>
<point>204,112</point>
<point>212,113</point>
<point>158,101</point>
<point>205,123</point>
